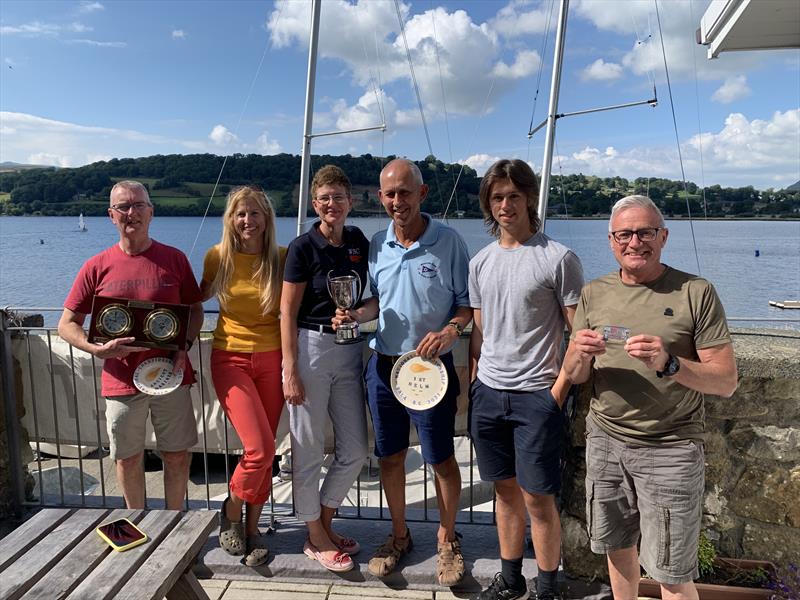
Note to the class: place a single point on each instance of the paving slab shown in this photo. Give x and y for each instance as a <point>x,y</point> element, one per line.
<point>288,565</point>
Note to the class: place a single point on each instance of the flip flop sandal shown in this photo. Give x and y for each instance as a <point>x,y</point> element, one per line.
<point>340,563</point>
<point>349,546</point>
<point>231,534</point>
<point>257,552</point>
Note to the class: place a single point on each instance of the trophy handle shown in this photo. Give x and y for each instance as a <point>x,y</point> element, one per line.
<point>358,280</point>
<point>328,283</point>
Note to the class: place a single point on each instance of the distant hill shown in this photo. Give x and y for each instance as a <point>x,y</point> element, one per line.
<point>8,166</point>
<point>182,185</point>
<point>795,187</point>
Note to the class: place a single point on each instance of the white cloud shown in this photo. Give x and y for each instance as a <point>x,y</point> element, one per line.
<point>762,153</point>
<point>99,44</point>
<point>178,34</point>
<point>636,20</point>
<point>601,70</point>
<point>525,63</point>
<point>89,7</point>
<point>479,162</point>
<point>265,145</point>
<point>35,28</point>
<point>222,136</point>
<point>733,89</point>
<point>78,27</point>
<point>516,20</point>
<point>48,159</point>
<point>448,49</point>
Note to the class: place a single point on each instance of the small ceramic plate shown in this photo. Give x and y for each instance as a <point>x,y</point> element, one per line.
<point>155,377</point>
<point>417,382</point>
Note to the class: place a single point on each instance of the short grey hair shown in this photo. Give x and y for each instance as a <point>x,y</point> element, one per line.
<point>133,186</point>
<point>636,201</point>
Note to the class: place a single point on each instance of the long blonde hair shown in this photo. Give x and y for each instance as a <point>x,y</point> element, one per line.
<point>266,271</point>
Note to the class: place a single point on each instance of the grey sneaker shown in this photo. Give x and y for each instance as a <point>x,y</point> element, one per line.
<point>499,590</point>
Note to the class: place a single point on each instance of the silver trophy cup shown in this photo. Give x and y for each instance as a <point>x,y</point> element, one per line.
<point>345,292</point>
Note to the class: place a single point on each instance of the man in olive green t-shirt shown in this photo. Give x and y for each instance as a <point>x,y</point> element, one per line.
<point>656,340</point>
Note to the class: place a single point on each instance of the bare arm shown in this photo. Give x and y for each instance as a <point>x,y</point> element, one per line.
<point>475,343</point>
<point>580,354</point>
<point>291,297</point>
<point>70,328</point>
<point>715,372</point>
<point>563,382</point>
<point>437,341</point>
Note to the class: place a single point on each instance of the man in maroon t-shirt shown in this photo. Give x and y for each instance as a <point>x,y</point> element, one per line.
<point>140,268</point>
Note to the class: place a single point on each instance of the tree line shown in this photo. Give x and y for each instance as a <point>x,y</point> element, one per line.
<point>181,185</point>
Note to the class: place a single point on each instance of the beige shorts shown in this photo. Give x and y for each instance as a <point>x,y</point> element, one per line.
<point>172,416</point>
<point>652,491</point>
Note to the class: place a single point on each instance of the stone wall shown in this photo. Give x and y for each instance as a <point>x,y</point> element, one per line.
<point>752,499</point>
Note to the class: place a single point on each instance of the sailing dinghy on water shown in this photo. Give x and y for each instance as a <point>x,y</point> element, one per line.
<point>81,223</point>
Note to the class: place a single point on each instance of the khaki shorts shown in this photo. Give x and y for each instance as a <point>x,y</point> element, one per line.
<point>172,416</point>
<point>655,491</point>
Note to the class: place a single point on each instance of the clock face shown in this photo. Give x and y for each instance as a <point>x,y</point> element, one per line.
<point>114,320</point>
<point>161,325</point>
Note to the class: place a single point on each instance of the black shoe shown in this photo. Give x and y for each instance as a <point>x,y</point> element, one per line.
<point>499,590</point>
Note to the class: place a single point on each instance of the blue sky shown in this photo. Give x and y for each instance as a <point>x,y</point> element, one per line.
<point>86,81</point>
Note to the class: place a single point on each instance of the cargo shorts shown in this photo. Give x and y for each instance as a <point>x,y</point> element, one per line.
<point>655,492</point>
<point>172,417</point>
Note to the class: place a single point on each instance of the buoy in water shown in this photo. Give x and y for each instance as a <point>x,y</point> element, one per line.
<point>41,241</point>
<point>758,253</point>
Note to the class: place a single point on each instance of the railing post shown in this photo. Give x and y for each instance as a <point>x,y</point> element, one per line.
<point>17,489</point>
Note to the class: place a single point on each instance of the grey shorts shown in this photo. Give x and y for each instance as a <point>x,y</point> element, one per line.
<point>652,491</point>
<point>172,416</point>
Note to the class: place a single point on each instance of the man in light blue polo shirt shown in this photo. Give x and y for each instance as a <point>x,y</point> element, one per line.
<point>418,271</point>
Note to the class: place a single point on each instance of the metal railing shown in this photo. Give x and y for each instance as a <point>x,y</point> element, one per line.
<point>63,414</point>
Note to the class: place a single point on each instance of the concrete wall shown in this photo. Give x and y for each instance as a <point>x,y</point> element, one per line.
<point>752,499</point>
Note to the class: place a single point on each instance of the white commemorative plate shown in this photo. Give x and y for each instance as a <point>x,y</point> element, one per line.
<point>155,377</point>
<point>417,382</point>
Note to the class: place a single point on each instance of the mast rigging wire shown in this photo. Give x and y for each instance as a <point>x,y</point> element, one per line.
<point>677,138</point>
<point>419,97</point>
<point>235,133</point>
<point>539,75</point>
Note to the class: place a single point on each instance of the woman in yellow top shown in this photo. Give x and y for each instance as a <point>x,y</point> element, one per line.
<point>245,272</point>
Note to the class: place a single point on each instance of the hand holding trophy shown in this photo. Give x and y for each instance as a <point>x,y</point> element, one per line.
<point>345,292</point>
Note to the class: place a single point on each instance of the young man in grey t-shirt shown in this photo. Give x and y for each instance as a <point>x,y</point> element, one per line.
<point>523,289</point>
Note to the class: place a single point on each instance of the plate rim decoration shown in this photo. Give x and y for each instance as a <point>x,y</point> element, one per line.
<point>402,396</point>
<point>171,384</point>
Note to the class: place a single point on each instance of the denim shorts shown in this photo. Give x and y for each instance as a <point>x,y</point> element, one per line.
<point>652,491</point>
<point>517,434</point>
<point>391,421</point>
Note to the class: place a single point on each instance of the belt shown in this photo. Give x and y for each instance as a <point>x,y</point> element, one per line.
<point>387,358</point>
<point>315,327</point>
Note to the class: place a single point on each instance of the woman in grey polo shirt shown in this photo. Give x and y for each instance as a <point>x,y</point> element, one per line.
<point>322,380</point>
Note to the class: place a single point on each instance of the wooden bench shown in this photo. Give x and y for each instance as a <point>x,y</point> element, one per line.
<point>57,554</point>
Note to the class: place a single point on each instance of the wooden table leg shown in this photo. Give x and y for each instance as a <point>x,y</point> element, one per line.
<point>187,588</point>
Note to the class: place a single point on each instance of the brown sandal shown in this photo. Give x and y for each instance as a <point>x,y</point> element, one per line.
<point>449,563</point>
<point>389,554</point>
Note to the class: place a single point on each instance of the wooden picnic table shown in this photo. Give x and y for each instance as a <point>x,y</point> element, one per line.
<point>57,554</point>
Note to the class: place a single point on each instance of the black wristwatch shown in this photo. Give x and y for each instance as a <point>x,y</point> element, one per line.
<point>672,366</point>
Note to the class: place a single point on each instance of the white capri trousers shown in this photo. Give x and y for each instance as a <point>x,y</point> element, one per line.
<point>332,378</point>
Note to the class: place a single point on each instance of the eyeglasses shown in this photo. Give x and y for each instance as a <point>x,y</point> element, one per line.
<point>125,208</point>
<point>624,236</point>
<point>328,198</point>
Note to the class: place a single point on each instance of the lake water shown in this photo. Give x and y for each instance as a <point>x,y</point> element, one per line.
<point>35,274</point>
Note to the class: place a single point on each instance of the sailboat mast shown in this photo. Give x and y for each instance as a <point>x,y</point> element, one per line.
<point>552,111</point>
<point>305,161</point>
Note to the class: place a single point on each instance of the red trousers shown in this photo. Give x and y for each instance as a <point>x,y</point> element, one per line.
<point>250,390</point>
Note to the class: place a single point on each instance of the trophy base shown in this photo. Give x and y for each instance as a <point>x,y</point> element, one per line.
<point>348,335</point>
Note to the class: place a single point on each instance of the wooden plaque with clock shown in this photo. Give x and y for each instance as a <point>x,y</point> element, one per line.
<point>153,324</point>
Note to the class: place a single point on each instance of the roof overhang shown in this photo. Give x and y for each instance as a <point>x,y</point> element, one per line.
<point>729,25</point>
